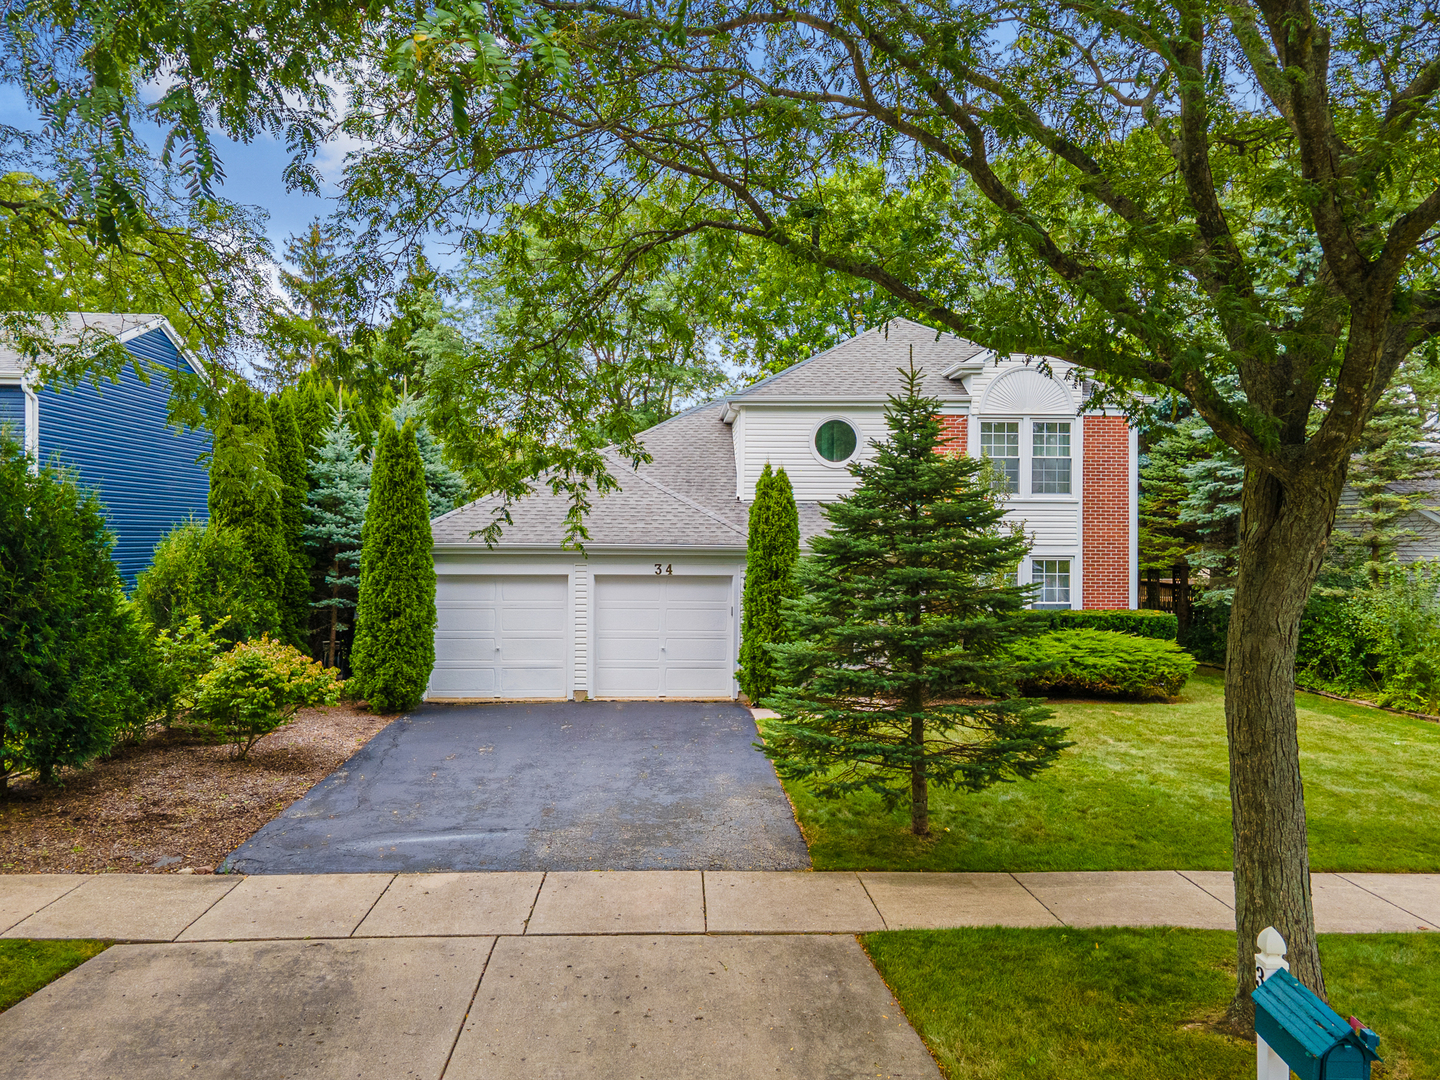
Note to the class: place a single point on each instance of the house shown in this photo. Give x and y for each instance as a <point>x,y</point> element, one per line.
<point>114,436</point>
<point>1418,528</point>
<point>651,609</point>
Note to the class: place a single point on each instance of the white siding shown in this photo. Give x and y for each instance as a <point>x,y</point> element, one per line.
<point>1051,527</point>
<point>784,435</point>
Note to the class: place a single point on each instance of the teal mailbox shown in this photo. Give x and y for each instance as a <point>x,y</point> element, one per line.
<point>1308,1034</point>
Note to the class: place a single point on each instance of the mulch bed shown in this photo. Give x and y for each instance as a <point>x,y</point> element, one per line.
<point>174,802</point>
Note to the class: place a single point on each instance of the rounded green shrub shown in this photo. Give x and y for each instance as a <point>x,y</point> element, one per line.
<point>206,571</point>
<point>1106,663</point>
<point>256,687</point>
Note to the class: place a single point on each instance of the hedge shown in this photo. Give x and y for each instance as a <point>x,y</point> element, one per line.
<point>1106,663</point>
<point>1145,624</point>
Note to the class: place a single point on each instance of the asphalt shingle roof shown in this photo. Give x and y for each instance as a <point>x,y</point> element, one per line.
<point>867,365</point>
<point>75,322</point>
<point>685,496</point>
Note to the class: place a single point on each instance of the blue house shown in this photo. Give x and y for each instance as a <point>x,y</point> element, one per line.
<point>114,437</point>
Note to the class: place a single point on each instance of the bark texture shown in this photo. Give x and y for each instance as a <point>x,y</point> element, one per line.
<point>1282,540</point>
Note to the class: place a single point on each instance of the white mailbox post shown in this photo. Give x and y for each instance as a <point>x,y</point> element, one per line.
<point>1270,959</point>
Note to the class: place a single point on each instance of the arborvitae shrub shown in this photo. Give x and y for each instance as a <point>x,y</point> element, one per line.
<point>205,571</point>
<point>395,619</point>
<point>772,551</point>
<point>290,466</point>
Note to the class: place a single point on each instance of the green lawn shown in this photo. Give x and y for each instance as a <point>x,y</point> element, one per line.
<point>1146,788</point>
<point>1062,1003</point>
<point>26,966</point>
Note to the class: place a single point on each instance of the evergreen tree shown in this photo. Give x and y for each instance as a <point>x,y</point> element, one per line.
<point>395,616</point>
<point>1168,543</point>
<point>335,513</point>
<point>772,550</point>
<point>905,606</point>
<point>444,487</point>
<point>290,466</point>
<point>321,291</point>
<point>310,399</point>
<point>251,503</point>
<point>1391,452</point>
<point>1212,505</point>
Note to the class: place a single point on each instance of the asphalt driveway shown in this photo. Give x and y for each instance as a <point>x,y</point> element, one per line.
<point>595,785</point>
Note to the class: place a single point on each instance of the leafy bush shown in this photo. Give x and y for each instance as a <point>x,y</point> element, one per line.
<point>1147,624</point>
<point>1399,618</point>
<point>256,687</point>
<point>1209,632</point>
<point>68,659</point>
<point>184,656</point>
<point>205,571</point>
<point>1105,662</point>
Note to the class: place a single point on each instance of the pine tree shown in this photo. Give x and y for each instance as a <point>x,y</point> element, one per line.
<point>395,617</point>
<point>444,487</point>
<point>250,502</point>
<point>1212,505</point>
<point>1168,543</point>
<point>772,551</point>
<point>335,519</point>
<point>905,606</point>
<point>321,292</point>
<point>1392,452</point>
<point>290,466</point>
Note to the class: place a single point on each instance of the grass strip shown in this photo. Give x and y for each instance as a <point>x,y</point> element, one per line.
<point>1135,1003</point>
<point>1146,787</point>
<point>26,966</point>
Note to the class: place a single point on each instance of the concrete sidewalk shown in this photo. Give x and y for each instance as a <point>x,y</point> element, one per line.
<point>146,907</point>
<point>527,975</point>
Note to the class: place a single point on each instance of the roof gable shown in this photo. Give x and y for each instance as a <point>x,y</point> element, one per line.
<point>123,326</point>
<point>869,365</point>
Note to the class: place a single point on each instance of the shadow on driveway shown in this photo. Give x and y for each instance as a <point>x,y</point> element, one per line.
<point>598,785</point>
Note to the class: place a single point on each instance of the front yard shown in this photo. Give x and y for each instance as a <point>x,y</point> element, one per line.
<point>1059,1003</point>
<point>174,802</point>
<point>1146,788</point>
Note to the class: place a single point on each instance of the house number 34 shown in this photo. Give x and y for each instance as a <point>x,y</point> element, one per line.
<point>663,568</point>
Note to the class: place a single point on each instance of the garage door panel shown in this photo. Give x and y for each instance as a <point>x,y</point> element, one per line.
<point>521,681</point>
<point>683,620</point>
<point>463,681</point>
<point>681,680</point>
<point>667,636</point>
<point>540,649</point>
<point>622,680</point>
<point>626,618</point>
<point>518,619</point>
<point>463,618</point>
<point>464,647</point>
<point>622,649</point>
<point>465,587</point>
<point>533,590</point>
<point>499,636</point>
<point>681,650</point>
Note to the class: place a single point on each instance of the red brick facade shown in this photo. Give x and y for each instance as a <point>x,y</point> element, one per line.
<point>1107,512</point>
<point>953,433</point>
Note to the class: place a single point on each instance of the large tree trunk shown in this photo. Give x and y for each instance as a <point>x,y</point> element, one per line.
<point>1282,540</point>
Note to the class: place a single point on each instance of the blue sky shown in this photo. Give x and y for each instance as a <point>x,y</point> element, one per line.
<point>253,174</point>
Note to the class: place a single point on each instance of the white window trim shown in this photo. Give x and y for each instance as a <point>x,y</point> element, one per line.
<point>815,451</point>
<point>1027,455</point>
<point>1026,576</point>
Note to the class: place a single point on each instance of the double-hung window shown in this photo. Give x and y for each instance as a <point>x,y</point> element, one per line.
<point>1053,578</point>
<point>1000,442</point>
<point>1050,458</point>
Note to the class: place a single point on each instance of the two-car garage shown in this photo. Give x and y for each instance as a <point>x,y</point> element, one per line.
<point>609,629</point>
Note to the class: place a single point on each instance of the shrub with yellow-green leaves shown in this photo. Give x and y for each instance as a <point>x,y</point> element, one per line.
<point>256,687</point>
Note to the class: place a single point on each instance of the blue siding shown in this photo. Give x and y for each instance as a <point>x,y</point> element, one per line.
<point>117,440</point>
<point>12,410</point>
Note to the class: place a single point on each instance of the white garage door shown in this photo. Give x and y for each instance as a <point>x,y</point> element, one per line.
<point>663,637</point>
<point>501,636</point>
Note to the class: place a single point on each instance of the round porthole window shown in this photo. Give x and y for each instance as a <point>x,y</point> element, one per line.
<point>835,440</point>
